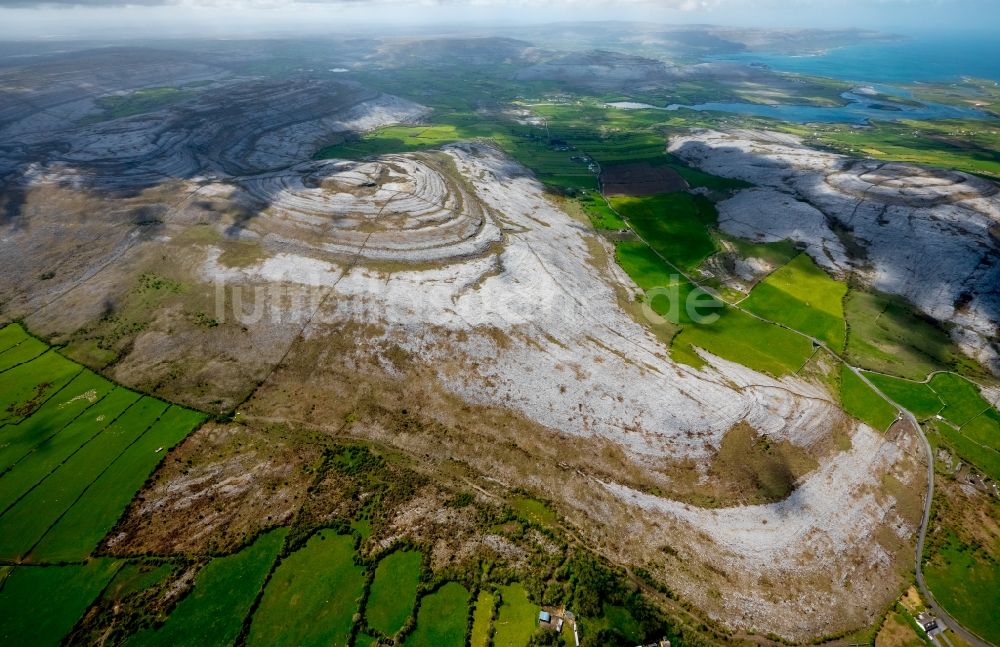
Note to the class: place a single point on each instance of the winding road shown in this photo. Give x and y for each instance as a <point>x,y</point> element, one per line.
<point>966,634</point>
<point>932,603</point>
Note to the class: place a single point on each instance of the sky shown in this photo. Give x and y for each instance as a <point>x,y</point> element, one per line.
<point>59,19</point>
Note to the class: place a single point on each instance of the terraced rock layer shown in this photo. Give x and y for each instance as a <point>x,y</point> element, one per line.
<point>561,352</point>
<point>121,230</point>
<point>394,209</point>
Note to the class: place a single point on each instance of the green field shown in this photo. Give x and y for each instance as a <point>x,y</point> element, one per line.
<point>24,387</point>
<point>45,455</point>
<point>213,613</point>
<point>618,619</point>
<point>934,143</point>
<point>442,619</point>
<point>93,514</point>
<point>27,520</point>
<point>802,296</point>
<point>312,595</point>
<point>517,619</point>
<point>986,458</point>
<point>40,604</point>
<point>736,335</point>
<point>534,510</point>
<point>601,215</point>
<point>980,442</point>
<point>394,591</point>
<point>52,417</point>
<point>967,583</point>
<point>970,425</point>
<point>71,466</point>
<point>644,267</point>
<point>23,349</point>
<point>775,254</point>
<point>917,397</point>
<point>675,225</point>
<point>886,335</point>
<point>11,336</point>
<point>741,338</point>
<point>396,139</point>
<point>962,401</point>
<point>859,400</point>
<point>482,619</point>
<point>974,429</point>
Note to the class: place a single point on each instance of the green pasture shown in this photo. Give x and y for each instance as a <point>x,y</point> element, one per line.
<point>70,465</point>
<point>17,441</point>
<point>962,400</point>
<point>442,619</point>
<point>46,457</point>
<point>675,225</point>
<point>312,595</point>
<point>482,618</point>
<point>517,619</point>
<point>859,400</point>
<point>25,387</point>
<point>394,591</point>
<point>92,516</point>
<point>40,604</point>
<point>31,516</point>
<point>212,614</point>
<point>802,296</point>
<point>917,397</point>
<point>966,582</point>
<point>12,335</point>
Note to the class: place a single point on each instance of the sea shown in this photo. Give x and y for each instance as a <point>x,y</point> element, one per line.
<point>883,66</point>
<point>931,57</point>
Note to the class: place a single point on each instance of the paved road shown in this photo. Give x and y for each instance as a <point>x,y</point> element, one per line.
<point>969,636</point>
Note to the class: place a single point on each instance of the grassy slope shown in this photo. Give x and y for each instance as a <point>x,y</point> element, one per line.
<point>740,338</point>
<point>962,400</point>
<point>886,334</point>
<point>967,583</point>
<point>312,595</point>
<point>676,225</point>
<point>40,604</point>
<point>802,296</point>
<point>481,620</point>
<point>394,591</point>
<point>212,614</point>
<point>918,397</point>
<point>859,400</point>
<point>442,619</point>
<point>517,619</point>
